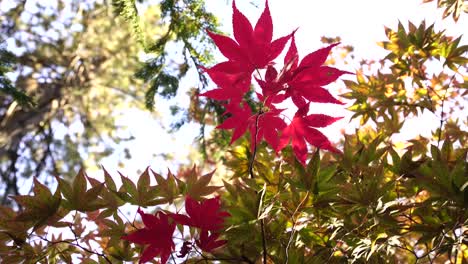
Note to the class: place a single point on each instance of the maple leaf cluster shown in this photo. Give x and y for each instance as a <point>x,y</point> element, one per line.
<point>252,50</point>
<point>158,232</point>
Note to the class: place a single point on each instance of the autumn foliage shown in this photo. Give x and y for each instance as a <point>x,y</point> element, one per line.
<point>302,81</point>
<point>367,199</point>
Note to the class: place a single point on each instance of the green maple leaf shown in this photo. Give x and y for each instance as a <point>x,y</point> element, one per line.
<point>77,195</point>
<point>141,194</point>
<point>39,208</point>
<point>198,186</point>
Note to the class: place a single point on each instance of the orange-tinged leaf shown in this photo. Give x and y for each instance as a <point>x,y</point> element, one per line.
<point>167,188</point>
<point>192,176</point>
<point>109,181</point>
<point>205,179</point>
<point>40,207</point>
<point>10,229</point>
<point>159,179</point>
<point>156,201</point>
<point>93,193</point>
<point>41,191</point>
<point>199,186</point>
<point>128,185</point>
<point>79,186</point>
<point>77,197</point>
<point>144,181</point>
<point>171,186</point>
<point>93,181</point>
<point>141,194</point>
<point>65,188</point>
<point>25,200</point>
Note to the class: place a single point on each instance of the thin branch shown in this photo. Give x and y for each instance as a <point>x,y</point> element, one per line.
<point>252,160</point>
<point>48,136</point>
<point>76,244</point>
<point>262,224</point>
<point>404,248</point>
<point>251,164</point>
<point>294,226</point>
<point>132,223</point>
<point>439,134</point>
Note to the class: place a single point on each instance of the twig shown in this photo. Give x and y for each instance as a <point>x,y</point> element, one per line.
<point>77,244</point>
<point>403,248</point>
<point>252,160</point>
<point>293,226</point>
<point>254,153</point>
<point>262,224</point>
<point>439,134</point>
<point>128,220</point>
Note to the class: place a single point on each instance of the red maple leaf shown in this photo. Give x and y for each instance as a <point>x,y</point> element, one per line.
<point>269,126</point>
<point>303,82</point>
<point>239,120</point>
<point>209,242</point>
<point>157,234</point>
<point>271,87</point>
<point>301,130</point>
<point>206,215</point>
<point>265,125</point>
<point>232,82</point>
<point>253,48</point>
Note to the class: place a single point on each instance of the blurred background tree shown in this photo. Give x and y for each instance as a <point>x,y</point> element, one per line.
<point>68,71</point>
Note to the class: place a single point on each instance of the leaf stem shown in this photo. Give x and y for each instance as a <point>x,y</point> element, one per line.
<point>294,220</point>
<point>254,153</point>
<point>252,160</point>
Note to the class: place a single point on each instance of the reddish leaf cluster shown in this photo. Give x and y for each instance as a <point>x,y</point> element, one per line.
<point>251,50</point>
<point>159,229</point>
<point>206,216</point>
<point>157,234</point>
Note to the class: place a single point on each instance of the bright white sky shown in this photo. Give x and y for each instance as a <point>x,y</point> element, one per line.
<point>358,23</point>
